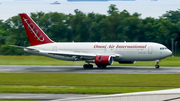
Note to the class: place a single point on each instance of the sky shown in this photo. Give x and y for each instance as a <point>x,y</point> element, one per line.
<point>146,8</point>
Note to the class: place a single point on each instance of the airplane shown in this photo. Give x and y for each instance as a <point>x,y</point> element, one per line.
<point>100,53</point>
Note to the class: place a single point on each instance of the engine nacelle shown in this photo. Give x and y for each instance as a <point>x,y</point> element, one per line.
<point>126,62</point>
<point>103,60</point>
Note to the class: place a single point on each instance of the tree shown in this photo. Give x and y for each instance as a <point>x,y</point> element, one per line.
<point>117,26</point>
<point>2,33</point>
<point>112,9</point>
<point>173,16</point>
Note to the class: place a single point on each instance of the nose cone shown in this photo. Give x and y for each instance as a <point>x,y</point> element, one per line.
<point>167,53</point>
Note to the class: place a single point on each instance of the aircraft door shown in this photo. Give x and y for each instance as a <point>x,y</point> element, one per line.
<point>150,50</point>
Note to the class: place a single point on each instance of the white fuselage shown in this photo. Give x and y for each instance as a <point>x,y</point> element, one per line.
<point>125,51</point>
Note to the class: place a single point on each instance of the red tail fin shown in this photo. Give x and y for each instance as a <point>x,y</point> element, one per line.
<point>35,35</point>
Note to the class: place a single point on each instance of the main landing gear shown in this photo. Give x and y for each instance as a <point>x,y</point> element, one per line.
<point>90,66</point>
<point>101,66</point>
<point>157,64</point>
<point>87,66</point>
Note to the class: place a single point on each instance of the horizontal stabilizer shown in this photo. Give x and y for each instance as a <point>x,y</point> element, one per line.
<point>31,49</point>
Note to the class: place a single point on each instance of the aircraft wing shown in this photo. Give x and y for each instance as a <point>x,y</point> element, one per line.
<point>79,55</point>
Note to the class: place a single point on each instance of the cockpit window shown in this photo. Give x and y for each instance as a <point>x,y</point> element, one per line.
<point>163,48</point>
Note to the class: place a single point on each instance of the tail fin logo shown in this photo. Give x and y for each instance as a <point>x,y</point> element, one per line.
<point>31,28</point>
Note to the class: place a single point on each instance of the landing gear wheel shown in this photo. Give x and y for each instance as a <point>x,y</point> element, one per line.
<point>87,66</point>
<point>157,66</point>
<point>101,66</point>
<point>90,66</point>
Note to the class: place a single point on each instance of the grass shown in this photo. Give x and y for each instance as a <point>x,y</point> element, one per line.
<point>75,89</point>
<point>41,60</point>
<point>84,79</point>
<point>83,83</point>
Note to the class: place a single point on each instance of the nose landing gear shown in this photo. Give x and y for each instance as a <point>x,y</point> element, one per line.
<point>157,64</point>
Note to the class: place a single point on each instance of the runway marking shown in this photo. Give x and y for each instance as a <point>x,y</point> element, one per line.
<point>172,99</point>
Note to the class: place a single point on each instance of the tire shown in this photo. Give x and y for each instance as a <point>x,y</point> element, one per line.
<point>157,66</point>
<point>104,66</point>
<point>91,66</point>
<point>85,66</point>
<point>99,66</point>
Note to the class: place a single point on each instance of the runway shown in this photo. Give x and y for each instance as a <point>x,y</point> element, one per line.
<point>79,69</point>
<point>40,96</point>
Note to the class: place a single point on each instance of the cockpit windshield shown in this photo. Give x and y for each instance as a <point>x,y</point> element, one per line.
<point>163,48</point>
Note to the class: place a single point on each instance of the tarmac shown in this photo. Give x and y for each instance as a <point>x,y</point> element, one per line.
<point>79,69</point>
<point>9,96</point>
<point>162,95</point>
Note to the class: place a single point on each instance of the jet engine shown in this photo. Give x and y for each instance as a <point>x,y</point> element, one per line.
<point>103,60</point>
